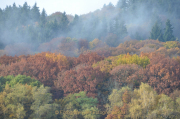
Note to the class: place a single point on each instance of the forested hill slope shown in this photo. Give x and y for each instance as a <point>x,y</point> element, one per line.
<point>120,61</point>
<point>102,82</point>
<point>134,18</point>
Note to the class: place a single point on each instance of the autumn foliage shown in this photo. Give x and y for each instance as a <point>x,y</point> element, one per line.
<point>162,74</point>
<point>82,78</point>
<point>109,63</point>
<point>116,76</point>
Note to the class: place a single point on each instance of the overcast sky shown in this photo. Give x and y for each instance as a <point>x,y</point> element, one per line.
<point>69,6</point>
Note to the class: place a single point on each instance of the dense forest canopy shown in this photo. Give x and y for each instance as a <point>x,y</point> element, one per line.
<point>118,62</point>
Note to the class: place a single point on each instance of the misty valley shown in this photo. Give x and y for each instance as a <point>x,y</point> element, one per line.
<point>119,62</point>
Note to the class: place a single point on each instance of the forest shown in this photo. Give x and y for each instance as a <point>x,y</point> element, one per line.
<point>118,62</point>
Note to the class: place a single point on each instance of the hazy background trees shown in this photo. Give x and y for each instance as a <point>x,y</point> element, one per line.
<point>110,24</point>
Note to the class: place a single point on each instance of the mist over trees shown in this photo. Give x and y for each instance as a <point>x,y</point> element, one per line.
<point>118,62</point>
<point>134,18</point>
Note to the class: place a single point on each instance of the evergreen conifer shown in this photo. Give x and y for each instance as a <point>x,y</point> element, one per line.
<point>156,33</point>
<point>168,35</point>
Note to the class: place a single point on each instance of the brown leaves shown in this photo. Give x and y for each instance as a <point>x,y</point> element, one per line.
<point>45,66</point>
<point>38,66</point>
<point>68,47</point>
<point>83,43</point>
<point>163,74</point>
<point>121,73</point>
<point>8,59</point>
<point>84,78</point>
<point>88,58</point>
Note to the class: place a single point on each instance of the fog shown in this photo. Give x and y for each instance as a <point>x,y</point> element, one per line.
<point>24,30</point>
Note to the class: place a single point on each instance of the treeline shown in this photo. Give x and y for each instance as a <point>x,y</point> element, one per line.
<point>137,79</point>
<point>28,25</point>
<point>109,74</point>
<point>169,7</point>
<point>129,17</point>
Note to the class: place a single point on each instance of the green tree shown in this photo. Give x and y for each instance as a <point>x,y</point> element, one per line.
<point>43,106</point>
<point>43,18</point>
<point>81,106</point>
<point>24,101</point>
<point>156,32</point>
<point>15,102</point>
<point>104,27</point>
<point>15,15</point>
<point>35,14</point>
<point>64,22</point>
<point>75,26</point>
<point>111,26</point>
<point>22,79</point>
<point>118,27</point>
<point>76,20</point>
<point>25,14</point>
<point>52,29</point>
<point>168,34</point>
<point>122,31</point>
<point>43,34</point>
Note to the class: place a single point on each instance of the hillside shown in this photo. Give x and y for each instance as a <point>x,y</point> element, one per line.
<point>118,62</point>
<point>110,76</point>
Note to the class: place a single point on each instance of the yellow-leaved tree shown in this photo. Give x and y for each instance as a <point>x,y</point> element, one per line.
<point>109,63</point>
<point>94,43</point>
<point>143,102</point>
<point>56,57</point>
<point>119,103</point>
<point>147,104</point>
